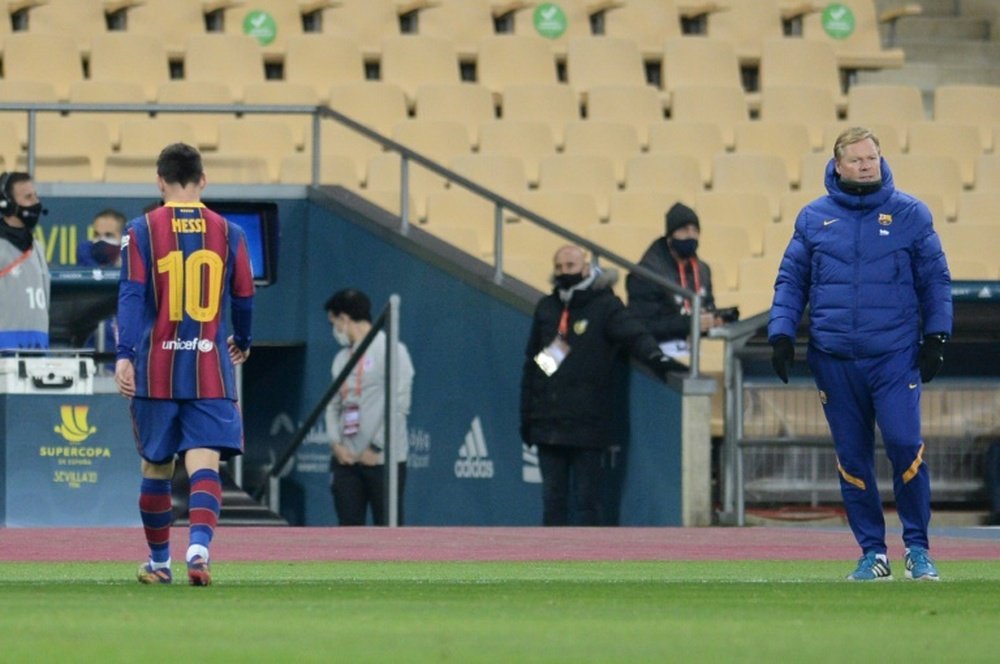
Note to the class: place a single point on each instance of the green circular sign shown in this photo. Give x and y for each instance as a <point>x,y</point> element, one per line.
<point>838,20</point>
<point>550,20</point>
<point>261,26</point>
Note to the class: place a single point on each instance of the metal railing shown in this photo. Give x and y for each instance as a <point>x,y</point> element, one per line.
<point>318,113</point>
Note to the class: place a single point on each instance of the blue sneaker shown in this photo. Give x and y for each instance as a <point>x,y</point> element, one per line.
<point>872,567</point>
<point>919,565</point>
<point>152,577</point>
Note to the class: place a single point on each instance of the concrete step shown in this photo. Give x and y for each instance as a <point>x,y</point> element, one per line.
<point>967,53</point>
<point>940,27</point>
<point>928,76</point>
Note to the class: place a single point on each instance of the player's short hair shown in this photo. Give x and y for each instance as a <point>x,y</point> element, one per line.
<point>113,214</point>
<point>852,136</point>
<point>352,302</point>
<point>180,164</point>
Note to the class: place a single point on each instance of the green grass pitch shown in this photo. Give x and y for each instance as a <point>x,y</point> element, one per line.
<point>718,612</point>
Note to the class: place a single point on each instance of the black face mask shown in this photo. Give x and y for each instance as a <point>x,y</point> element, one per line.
<point>567,281</point>
<point>30,214</point>
<point>684,248</point>
<point>103,252</point>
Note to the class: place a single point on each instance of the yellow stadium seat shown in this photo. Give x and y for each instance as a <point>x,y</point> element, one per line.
<point>678,174</point>
<point>746,209</point>
<point>275,92</point>
<point>861,47</point>
<point>890,138</point>
<point>107,92</point>
<point>77,19</point>
<point>723,105</point>
<point>367,21</point>
<point>590,174</point>
<point>172,21</point>
<point>747,24</point>
<point>988,170</point>
<point>926,173</point>
<point>959,141</point>
<point>270,22</point>
<point>507,59</point>
<point>645,208</point>
<point>617,140</point>
<point>197,92</point>
<point>792,203</point>
<point>235,169</point>
<point>573,210</point>
<point>895,105</point>
<point>464,22</point>
<point>527,139</point>
<point>648,23</point>
<point>410,61</point>
<point>752,172</point>
<point>533,19</point>
<point>700,139</point>
<point>979,207</point>
<point>807,104</point>
<point>257,136</point>
<point>32,56</point>
<point>10,143</point>
<point>787,140</point>
<point>970,104</point>
<point>504,174</point>
<point>629,242</point>
<point>384,174</point>
<point>469,104</point>
<point>24,91</point>
<point>599,60</point>
<point>699,61</point>
<point>321,61</point>
<point>637,105</point>
<point>333,169</point>
<point>555,104</point>
<point>65,144</point>
<point>146,64</point>
<point>234,60</point>
<point>439,140</point>
<point>723,246</point>
<point>786,61</point>
<point>377,104</point>
<point>148,136</point>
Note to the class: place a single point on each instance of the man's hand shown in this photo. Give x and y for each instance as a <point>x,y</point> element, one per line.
<point>125,378</point>
<point>342,454</point>
<point>369,457</point>
<point>783,356</point>
<point>235,354</point>
<point>666,365</point>
<point>931,356</point>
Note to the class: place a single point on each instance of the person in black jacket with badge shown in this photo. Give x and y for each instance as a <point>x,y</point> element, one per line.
<point>566,397</point>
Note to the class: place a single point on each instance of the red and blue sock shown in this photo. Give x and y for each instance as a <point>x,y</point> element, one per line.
<point>155,509</point>
<point>204,506</point>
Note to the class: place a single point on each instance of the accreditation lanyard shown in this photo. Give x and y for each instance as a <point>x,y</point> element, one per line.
<point>564,324</point>
<point>351,419</point>
<point>17,261</point>
<point>695,274</point>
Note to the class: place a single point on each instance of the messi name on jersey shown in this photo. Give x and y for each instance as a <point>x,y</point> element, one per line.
<point>188,225</point>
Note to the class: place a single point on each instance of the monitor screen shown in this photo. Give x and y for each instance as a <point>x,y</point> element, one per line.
<point>259,221</point>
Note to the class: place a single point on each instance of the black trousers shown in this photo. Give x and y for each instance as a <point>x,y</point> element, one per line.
<point>565,469</point>
<point>357,487</point>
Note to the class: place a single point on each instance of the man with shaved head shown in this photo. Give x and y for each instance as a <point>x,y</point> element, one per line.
<point>566,388</point>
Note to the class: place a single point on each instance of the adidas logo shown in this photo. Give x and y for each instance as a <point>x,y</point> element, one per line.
<point>531,473</point>
<point>473,458</point>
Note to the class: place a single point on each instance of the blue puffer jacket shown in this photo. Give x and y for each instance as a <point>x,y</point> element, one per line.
<point>871,269</point>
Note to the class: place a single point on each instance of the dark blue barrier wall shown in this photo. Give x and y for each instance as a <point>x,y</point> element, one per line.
<point>467,349</point>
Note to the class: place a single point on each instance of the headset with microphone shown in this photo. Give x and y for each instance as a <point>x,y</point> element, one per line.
<point>8,206</point>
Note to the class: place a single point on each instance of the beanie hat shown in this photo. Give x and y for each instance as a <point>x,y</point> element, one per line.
<point>680,216</point>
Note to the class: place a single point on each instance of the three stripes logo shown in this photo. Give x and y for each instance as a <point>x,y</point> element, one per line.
<point>531,472</point>
<point>473,458</point>
<point>74,427</point>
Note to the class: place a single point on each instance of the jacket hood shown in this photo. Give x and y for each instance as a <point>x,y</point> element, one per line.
<point>599,279</point>
<point>860,201</point>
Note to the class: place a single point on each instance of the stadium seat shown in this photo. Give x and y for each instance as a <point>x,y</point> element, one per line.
<point>970,104</point>
<point>527,139</point>
<point>747,24</point>
<point>257,136</point>
<point>235,169</point>
<point>320,61</point>
<point>895,105</point>
<point>929,174</point>
<point>107,92</point>
<point>71,148</point>
<point>579,15</point>
<point>979,207</point>
<point>504,174</point>
<point>861,46</point>
<point>807,104</point>
<point>748,210</point>
<point>333,169</point>
<point>234,60</point>
<point>197,92</point>
<point>723,246</point>
<point>171,21</point>
<point>31,56</point>
<point>935,203</point>
<point>599,60</point>
<point>463,219</point>
<point>464,22</point>
<point>801,62</point>
<point>758,273</point>
<point>507,59</point>
<point>147,63</point>
<point>287,20</point>
<point>79,20</point>
<point>376,104</point>
<point>555,104</point>
<point>410,61</point>
<point>699,61</point>
<point>890,138</point>
<point>959,141</point>
<point>24,91</point>
<point>10,144</point>
<point>591,174</point>
<point>645,208</point>
<point>966,241</point>
<point>573,210</point>
<point>787,140</point>
<point>777,236</point>
<point>988,169</point>
<point>792,202</point>
<point>148,136</point>
<point>648,23</point>
<point>676,173</point>
<point>616,140</point>
<point>439,140</point>
<point>469,104</point>
<point>723,105</point>
<point>969,269</point>
<point>637,105</point>
<point>384,175</point>
<point>752,172</point>
<point>367,21</point>
<point>275,92</point>
<point>629,242</point>
<point>700,139</point>
<point>130,169</point>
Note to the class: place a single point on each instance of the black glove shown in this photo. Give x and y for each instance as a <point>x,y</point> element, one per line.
<point>783,356</point>
<point>664,365</point>
<point>931,356</point>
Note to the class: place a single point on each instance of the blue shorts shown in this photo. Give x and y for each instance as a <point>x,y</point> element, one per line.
<point>165,427</point>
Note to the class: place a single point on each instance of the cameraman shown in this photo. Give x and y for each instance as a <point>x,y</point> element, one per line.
<point>675,257</point>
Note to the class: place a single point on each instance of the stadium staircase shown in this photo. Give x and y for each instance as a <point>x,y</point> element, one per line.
<point>238,508</point>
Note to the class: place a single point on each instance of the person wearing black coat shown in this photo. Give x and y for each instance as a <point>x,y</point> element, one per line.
<point>566,385</point>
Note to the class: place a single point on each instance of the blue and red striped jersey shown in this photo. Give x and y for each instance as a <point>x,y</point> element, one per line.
<point>183,265</point>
